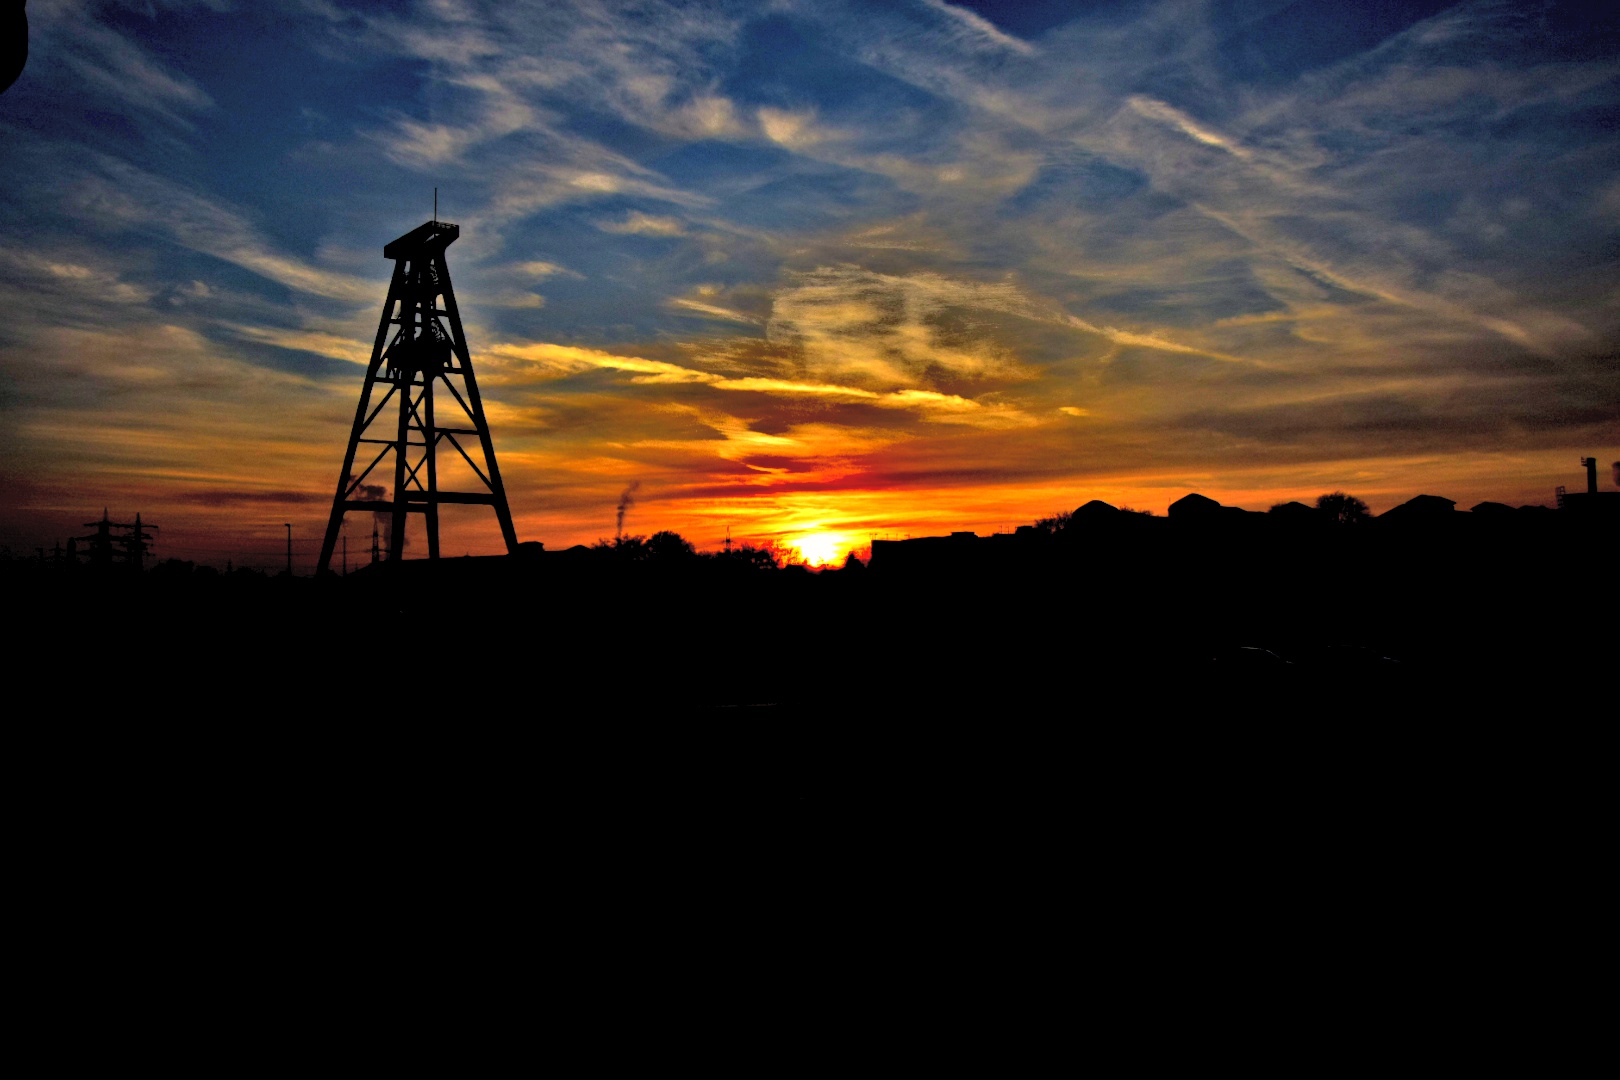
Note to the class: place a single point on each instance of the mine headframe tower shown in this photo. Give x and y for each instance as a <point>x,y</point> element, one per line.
<point>420,347</point>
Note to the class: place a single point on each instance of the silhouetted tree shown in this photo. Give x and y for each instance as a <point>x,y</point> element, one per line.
<point>1342,509</point>
<point>667,546</point>
<point>629,548</point>
<point>1054,524</point>
<point>749,557</point>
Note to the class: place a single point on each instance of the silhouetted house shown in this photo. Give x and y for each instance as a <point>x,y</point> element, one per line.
<point>1295,530</point>
<point>1094,512</point>
<point>1422,509</point>
<point>1194,507</point>
<point>1101,534</point>
<point>1293,522</point>
<point>928,554</point>
<point>1207,517</point>
<point>1096,521</point>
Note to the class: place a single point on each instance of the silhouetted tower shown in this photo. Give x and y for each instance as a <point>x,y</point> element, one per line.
<point>105,546</point>
<point>137,543</point>
<point>1591,474</point>
<point>416,353</point>
<point>100,541</point>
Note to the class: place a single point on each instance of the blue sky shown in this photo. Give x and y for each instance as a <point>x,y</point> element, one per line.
<point>869,269</point>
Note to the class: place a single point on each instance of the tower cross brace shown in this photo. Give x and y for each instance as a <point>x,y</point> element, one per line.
<point>414,355</point>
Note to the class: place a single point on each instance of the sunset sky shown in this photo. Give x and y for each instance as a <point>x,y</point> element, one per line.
<point>811,269</point>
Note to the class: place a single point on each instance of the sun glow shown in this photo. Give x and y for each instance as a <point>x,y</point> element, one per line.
<point>823,548</point>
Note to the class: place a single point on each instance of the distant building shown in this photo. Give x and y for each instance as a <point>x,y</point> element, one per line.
<point>1603,505</point>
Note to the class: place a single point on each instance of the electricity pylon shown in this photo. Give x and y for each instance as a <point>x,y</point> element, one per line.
<point>135,542</point>
<point>415,352</point>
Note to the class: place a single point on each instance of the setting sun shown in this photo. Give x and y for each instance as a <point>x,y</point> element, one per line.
<point>822,549</point>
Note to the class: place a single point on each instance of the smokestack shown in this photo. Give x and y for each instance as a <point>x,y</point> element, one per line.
<point>1591,474</point>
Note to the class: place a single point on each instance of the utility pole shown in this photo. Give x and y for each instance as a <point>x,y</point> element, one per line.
<point>289,549</point>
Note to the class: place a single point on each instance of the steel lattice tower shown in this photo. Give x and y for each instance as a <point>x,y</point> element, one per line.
<point>414,354</point>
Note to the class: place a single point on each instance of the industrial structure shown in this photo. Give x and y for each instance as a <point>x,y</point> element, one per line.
<point>420,348</point>
<point>115,542</point>
<point>1592,502</point>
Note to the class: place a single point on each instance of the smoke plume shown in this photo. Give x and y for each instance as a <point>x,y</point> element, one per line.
<point>626,501</point>
<point>384,519</point>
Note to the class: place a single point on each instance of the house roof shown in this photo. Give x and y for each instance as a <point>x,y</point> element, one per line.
<point>1193,505</point>
<point>1094,509</point>
<point>1421,506</point>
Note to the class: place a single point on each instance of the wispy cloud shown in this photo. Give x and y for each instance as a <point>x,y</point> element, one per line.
<point>639,224</point>
<point>1158,110</point>
<point>115,68</point>
<point>977,31</point>
<point>118,197</point>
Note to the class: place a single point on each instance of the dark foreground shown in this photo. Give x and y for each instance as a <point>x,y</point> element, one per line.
<point>997,802</point>
<point>556,672</point>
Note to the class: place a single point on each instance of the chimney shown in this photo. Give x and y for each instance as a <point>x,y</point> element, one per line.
<point>1591,474</point>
